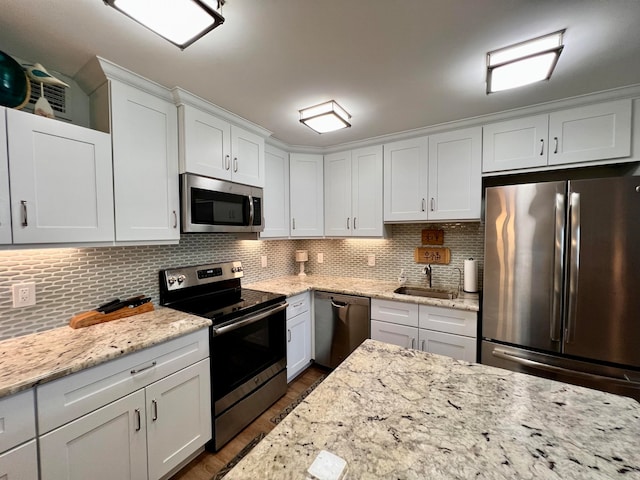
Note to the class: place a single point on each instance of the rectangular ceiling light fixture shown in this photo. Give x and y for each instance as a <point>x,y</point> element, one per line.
<point>523,63</point>
<point>181,22</point>
<point>326,117</point>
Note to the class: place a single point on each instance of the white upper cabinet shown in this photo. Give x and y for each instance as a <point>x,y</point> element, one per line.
<point>61,181</point>
<point>434,178</point>
<point>405,180</point>
<point>353,193</point>
<point>144,129</point>
<point>455,179</point>
<point>5,199</point>
<point>276,193</point>
<point>582,134</point>
<point>215,143</point>
<point>306,195</point>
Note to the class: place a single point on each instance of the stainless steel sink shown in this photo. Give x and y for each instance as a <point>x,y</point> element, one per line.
<point>427,292</point>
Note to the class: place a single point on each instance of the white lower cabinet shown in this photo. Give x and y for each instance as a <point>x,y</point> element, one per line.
<point>298,334</point>
<point>161,415</point>
<point>441,330</point>
<point>21,463</point>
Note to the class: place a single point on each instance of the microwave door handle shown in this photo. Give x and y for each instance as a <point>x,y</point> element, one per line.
<point>251,210</point>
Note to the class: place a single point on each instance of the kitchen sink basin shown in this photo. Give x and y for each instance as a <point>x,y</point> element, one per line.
<point>427,292</point>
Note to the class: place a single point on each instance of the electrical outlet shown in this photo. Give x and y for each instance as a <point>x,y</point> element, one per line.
<point>263,261</point>
<point>321,258</point>
<point>24,294</point>
<point>371,260</point>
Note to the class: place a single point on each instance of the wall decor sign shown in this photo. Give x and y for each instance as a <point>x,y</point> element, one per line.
<point>432,237</point>
<point>440,255</point>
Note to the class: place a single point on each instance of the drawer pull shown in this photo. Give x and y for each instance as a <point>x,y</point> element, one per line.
<point>134,371</point>
<point>288,335</point>
<point>154,409</point>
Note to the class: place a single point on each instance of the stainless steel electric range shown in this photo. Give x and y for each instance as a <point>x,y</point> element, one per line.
<point>247,341</point>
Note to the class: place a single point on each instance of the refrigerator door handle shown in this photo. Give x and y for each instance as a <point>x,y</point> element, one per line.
<point>574,265</point>
<point>558,255</point>
<point>512,357</point>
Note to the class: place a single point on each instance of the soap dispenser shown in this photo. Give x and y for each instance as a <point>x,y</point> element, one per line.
<point>402,278</point>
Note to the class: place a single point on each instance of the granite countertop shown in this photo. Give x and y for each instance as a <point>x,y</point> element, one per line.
<point>41,357</point>
<point>394,413</point>
<point>292,285</point>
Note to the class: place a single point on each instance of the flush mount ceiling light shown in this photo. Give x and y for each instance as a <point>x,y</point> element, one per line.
<point>523,63</point>
<point>181,22</point>
<point>326,117</point>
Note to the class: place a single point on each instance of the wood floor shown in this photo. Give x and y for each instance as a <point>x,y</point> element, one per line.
<point>207,464</point>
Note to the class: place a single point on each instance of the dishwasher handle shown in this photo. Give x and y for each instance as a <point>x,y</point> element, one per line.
<point>339,304</point>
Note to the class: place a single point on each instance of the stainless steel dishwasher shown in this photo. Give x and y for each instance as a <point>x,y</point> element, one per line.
<point>342,323</point>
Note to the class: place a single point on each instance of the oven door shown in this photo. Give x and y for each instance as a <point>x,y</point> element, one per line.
<point>246,353</point>
<point>210,205</point>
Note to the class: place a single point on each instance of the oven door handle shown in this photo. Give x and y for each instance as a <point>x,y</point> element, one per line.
<point>247,320</point>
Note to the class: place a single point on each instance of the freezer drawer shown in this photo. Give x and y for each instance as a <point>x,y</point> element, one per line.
<point>341,325</point>
<point>591,375</point>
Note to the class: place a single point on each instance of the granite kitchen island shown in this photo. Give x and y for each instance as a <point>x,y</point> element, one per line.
<point>394,413</point>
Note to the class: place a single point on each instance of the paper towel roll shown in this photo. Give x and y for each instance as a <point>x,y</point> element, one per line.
<point>471,275</point>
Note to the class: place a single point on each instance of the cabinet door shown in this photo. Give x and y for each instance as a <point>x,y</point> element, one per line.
<point>205,146</point>
<point>455,182</point>
<point>17,419</point>
<point>247,163</point>
<point>276,193</point>
<point>5,209</point>
<point>514,144</point>
<point>21,463</point>
<point>298,344</point>
<point>405,180</point>
<point>105,444</point>
<point>400,335</point>
<point>593,132</point>
<point>366,192</point>
<point>306,199</point>
<point>337,195</point>
<point>178,417</point>
<point>447,344</point>
<point>61,181</point>
<point>144,131</point>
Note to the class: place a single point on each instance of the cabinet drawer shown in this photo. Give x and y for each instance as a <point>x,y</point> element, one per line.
<point>17,419</point>
<point>395,312</point>
<point>298,304</point>
<point>449,320</point>
<point>454,346</point>
<point>75,395</point>
<point>20,463</point>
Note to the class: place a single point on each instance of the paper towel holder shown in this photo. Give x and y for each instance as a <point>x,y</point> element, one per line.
<point>470,276</point>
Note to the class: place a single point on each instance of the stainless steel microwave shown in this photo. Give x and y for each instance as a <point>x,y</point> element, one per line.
<point>210,205</point>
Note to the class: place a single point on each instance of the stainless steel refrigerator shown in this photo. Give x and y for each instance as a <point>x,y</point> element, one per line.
<point>561,294</point>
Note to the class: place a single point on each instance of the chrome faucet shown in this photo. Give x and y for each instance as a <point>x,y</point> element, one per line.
<point>427,271</point>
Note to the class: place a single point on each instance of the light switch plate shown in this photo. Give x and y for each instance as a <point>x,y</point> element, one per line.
<point>263,261</point>
<point>371,260</point>
<point>321,258</point>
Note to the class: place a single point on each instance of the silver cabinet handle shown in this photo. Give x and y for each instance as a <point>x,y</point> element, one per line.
<point>296,305</point>
<point>293,221</point>
<point>422,346</point>
<point>354,223</point>
<point>235,164</point>
<point>25,221</point>
<point>136,413</point>
<point>227,164</point>
<point>288,335</point>
<point>348,223</point>
<point>541,146</point>
<point>424,204</point>
<point>433,204</point>
<point>413,343</point>
<point>134,371</point>
<point>555,149</point>
<point>558,255</point>
<point>154,410</point>
<point>574,263</point>
<point>175,219</point>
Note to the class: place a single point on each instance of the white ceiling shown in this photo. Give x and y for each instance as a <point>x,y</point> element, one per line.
<point>395,65</point>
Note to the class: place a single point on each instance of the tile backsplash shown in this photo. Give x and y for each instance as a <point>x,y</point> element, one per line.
<point>72,280</point>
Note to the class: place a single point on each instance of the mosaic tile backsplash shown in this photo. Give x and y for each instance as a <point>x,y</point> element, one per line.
<point>71,280</point>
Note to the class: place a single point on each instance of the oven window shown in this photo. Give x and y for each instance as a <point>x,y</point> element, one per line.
<point>238,355</point>
<point>217,208</point>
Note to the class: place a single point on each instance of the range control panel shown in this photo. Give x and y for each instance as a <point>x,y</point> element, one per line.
<point>184,277</point>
